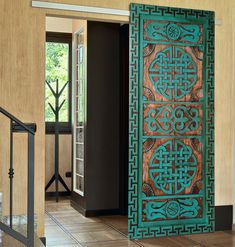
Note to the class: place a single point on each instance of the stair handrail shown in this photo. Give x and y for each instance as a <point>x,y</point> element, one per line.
<point>18,126</point>
<point>16,120</point>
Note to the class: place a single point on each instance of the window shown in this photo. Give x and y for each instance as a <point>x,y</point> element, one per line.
<point>80,111</point>
<point>58,67</point>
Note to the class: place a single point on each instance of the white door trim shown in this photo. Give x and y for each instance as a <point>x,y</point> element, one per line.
<point>80,8</point>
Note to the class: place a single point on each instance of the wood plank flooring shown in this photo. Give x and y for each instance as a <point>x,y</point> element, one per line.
<point>66,227</point>
<point>7,241</point>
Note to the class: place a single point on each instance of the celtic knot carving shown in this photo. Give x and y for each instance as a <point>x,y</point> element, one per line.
<point>167,119</point>
<point>172,167</point>
<point>173,73</point>
<point>172,209</point>
<point>173,32</point>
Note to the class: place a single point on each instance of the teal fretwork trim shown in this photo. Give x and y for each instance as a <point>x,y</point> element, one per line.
<point>173,73</point>
<point>172,209</point>
<point>146,42</point>
<point>173,32</point>
<point>169,136</point>
<point>206,223</point>
<point>172,167</point>
<point>178,196</point>
<point>166,119</point>
<point>172,102</point>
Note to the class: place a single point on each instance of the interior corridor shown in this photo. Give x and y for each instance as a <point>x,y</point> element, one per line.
<point>66,227</point>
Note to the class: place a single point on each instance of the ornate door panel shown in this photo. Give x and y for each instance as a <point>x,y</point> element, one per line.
<point>171,152</point>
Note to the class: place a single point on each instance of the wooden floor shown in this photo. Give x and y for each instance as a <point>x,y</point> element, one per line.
<point>7,241</point>
<point>66,227</point>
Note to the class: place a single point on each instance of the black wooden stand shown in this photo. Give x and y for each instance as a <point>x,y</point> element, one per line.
<point>56,177</point>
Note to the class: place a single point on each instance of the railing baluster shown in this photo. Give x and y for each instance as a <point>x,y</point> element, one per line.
<point>11,173</point>
<point>18,126</point>
<point>30,212</point>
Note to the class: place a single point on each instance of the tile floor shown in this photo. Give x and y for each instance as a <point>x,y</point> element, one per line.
<point>65,227</point>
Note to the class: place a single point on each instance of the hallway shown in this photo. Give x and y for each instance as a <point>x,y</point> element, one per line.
<point>65,227</point>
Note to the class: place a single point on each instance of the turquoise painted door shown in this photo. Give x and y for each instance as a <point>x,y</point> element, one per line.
<point>171,121</point>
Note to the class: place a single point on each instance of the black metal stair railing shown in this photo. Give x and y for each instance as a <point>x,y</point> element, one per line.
<point>16,126</point>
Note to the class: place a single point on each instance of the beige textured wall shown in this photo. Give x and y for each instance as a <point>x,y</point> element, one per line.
<point>233,90</point>
<point>61,25</point>
<point>22,93</point>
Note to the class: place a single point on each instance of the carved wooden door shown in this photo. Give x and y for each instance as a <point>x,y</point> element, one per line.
<point>171,141</point>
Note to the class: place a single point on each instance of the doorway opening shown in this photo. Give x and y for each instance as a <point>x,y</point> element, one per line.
<point>93,122</point>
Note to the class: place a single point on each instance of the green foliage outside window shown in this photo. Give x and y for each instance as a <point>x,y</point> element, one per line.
<point>57,67</point>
